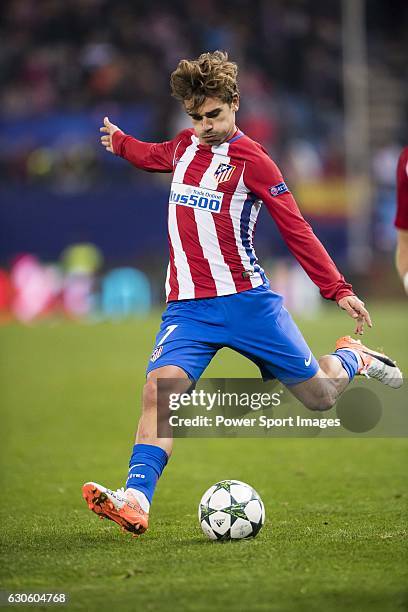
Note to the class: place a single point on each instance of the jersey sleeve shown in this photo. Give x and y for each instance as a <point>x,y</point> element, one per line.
<point>265,181</point>
<point>401,218</point>
<point>150,156</point>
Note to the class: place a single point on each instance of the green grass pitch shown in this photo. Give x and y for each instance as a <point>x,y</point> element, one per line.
<point>335,537</point>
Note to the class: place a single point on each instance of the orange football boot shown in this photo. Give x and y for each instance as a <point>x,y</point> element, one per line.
<point>374,364</point>
<point>120,506</point>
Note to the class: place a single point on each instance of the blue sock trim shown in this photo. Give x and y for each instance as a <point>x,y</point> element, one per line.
<point>145,467</point>
<point>348,360</point>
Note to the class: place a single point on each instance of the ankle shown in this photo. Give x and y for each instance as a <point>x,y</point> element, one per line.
<point>140,498</point>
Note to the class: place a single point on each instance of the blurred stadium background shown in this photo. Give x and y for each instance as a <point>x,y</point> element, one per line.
<point>83,234</point>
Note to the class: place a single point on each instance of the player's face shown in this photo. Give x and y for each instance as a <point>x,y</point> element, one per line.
<point>214,121</point>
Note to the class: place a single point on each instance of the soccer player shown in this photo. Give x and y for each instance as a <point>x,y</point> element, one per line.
<point>217,293</point>
<point>401,219</point>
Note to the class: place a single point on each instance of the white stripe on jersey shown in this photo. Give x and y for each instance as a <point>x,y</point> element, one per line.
<point>185,282</point>
<point>167,285</point>
<point>184,279</point>
<point>207,232</point>
<point>185,160</point>
<point>236,207</point>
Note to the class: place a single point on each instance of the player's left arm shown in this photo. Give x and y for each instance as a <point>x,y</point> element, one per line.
<point>265,180</point>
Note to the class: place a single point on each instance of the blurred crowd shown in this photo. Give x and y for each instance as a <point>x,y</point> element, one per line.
<point>80,53</point>
<point>75,287</point>
<point>63,65</point>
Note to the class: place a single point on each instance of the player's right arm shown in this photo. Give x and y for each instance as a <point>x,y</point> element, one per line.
<point>150,156</point>
<point>265,180</point>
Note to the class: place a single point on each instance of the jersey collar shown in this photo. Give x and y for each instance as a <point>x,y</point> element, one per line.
<point>236,135</point>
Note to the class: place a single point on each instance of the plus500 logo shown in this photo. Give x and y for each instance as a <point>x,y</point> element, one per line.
<point>196,200</point>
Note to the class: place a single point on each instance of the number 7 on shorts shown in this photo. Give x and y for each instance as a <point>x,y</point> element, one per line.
<point>169,330</point>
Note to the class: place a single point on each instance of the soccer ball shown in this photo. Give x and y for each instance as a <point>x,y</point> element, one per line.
<point>231,510</point>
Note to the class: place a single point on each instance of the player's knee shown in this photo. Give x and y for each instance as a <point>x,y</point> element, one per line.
<point>320,402</point>
<point>155,394</point>
<point>150,395</point>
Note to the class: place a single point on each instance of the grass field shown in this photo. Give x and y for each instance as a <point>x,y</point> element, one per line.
<point>335,537</point>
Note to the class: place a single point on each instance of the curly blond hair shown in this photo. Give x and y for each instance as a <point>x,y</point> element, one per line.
<point>212,75</point>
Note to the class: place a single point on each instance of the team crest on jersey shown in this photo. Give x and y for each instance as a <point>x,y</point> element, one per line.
<point>156,353</point>
<point>224,172</point>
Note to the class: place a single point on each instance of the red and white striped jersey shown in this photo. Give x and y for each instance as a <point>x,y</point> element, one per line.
<point>215,198</point>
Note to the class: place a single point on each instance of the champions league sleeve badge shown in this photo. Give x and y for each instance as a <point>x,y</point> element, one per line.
<point>278,189</point>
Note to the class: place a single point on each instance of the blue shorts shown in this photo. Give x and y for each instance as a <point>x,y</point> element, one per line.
<point>253,323</point>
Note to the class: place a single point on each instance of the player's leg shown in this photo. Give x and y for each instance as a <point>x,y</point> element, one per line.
<point>185,344</point>
<point>324,388</point>
<point>151,450</point>
<point>129,507</point>
<point>321,391</point>
<point>264,331</point>
<point>337,370</point>
<point>151,412</point>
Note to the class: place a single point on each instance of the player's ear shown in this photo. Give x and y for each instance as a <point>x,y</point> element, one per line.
<point>235,102</point>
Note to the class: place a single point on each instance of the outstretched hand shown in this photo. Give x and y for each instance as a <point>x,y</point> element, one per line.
<point>109,129</point>
<point>355,308</point>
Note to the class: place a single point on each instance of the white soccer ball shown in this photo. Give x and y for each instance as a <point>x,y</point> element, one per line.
<point>231,510</point>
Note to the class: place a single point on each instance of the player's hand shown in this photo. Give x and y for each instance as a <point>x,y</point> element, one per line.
<point>109,129</point>
<point>355,308</point>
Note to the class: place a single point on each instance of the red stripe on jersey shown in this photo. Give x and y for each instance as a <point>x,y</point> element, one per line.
<point>200,270</point>
<point>225,232</point>
<point>173,282</point>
